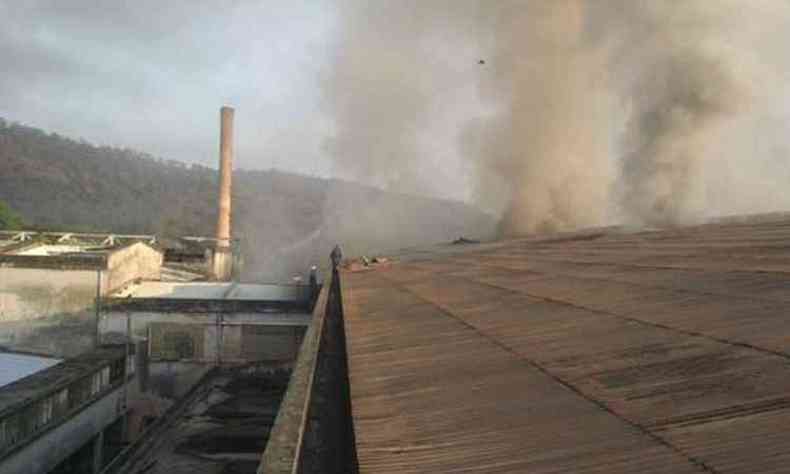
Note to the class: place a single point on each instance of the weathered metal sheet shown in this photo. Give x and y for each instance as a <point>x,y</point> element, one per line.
<point>610,352</point>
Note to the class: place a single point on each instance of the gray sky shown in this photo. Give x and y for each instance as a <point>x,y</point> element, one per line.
<point>375,90</point>
<point>152,75</point>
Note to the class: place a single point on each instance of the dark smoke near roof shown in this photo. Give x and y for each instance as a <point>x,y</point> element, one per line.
<point>682,98</point>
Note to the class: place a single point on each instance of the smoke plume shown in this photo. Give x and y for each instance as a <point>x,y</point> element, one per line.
<point>543,157</point>
<point>677,92</point>
<point>677,104</point>
<point>584,113</point>
<point>391,82</point>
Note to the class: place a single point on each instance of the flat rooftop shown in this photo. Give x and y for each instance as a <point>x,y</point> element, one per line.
<point>603,351</point>
<point>53,249</point>
<point>213,291</point>
<point>15,366</point>
<point>55,376</point>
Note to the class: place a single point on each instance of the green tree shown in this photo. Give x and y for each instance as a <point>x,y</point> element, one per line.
<point>9,220</point>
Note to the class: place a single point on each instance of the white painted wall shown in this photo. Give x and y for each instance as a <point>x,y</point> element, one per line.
<point>138,260</point>
<point>30,293</point>
<point>215,290</point>
<point>114,323</point>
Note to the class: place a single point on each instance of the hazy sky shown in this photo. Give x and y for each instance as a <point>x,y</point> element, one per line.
<point>152,75</point>
<point>388,91</point>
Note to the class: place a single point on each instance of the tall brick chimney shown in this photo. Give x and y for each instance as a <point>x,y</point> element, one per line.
<point>223,258</point>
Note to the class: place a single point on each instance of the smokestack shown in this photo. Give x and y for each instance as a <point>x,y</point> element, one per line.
<point>222,264</point>
<point>225,175</point>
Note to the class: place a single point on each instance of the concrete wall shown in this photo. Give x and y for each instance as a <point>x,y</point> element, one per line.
<point>216,290</point>
<point>46,452</point>
<point>173,341</point>
<point>29,293</point>
<point>261,343</point>
<point>221,264</point>
<point>136,261</point>
<point>113,323</point>
<point>243,337</point>
<point>235,344</point>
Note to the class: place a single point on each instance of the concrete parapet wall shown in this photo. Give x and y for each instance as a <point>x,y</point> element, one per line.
<point>314,431</point>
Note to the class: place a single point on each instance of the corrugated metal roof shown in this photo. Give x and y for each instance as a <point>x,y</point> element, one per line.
<point>608,352</point>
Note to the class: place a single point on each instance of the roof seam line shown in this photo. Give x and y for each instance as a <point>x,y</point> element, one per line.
<point>745,345</point>
<point>660,287</point>
<point>658,267</point>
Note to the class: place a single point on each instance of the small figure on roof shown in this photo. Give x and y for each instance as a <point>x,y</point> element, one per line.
<point>313,283</point>
<point>314,276</point>
<point>336,256</point>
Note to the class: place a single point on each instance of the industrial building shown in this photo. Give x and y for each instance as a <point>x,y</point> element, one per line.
<point>171,336</point>
<point>210,322</point>
<point>168,328</point>
<point>66,416</point>
<point>606,350</point>
<point>65,273</point>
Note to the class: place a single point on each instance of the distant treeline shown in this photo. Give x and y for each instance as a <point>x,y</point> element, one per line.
<point>58,183</point>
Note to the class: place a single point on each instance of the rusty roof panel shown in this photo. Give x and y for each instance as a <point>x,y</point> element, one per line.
<point>430,394</point>
<point>606,352</point>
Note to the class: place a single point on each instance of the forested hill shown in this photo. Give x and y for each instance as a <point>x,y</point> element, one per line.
<point>59,183</point>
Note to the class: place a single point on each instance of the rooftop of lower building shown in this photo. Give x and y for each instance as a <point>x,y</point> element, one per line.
<point>15,366</point>
<point>213,291</point>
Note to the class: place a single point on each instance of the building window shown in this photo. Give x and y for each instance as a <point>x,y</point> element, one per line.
<point>45,411</point>
<point>95,384</point>
<point>116,372</point>
<point>79,392</point>
<point>9,432</point>
<point>61,402</point>
<point>105,377</point>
